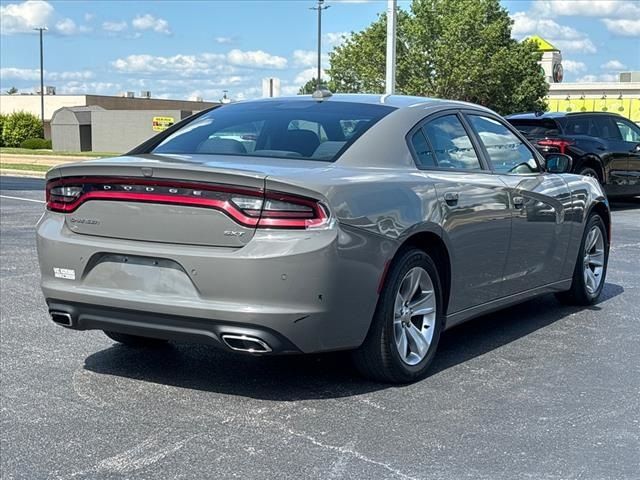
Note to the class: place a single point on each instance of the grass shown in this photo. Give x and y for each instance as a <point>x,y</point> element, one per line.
<point>25,166</point>
<point>27,151</point>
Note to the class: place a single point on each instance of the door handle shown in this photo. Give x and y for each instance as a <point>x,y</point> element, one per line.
<point>451,197</point>
<point>518,202</point>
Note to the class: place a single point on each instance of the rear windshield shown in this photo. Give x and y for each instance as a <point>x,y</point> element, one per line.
<point>305,130</point>
<point>536,128</point>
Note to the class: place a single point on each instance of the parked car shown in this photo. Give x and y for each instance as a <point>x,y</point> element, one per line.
<point>320,235</point>
<point>605,146</point>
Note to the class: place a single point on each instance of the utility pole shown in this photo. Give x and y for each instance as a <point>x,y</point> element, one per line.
<point>41,30</point>
<point>390,78</point>
<point>320,7</point>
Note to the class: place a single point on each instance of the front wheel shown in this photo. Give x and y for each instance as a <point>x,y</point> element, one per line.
<point>406,326</point>
<point>591,266</point>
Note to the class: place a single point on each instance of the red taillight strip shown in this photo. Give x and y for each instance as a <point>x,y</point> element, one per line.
<point>262,218</point>
<point>553,142</point>
<point>223,206</point>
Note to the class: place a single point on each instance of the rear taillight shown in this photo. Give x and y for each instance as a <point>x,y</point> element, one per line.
<point>560,144</point>
<point>249,207</point>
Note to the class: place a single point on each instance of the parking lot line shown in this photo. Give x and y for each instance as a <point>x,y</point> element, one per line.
<point>20,198</point>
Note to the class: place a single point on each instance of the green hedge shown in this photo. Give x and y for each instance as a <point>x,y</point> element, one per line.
<point>18,127</point>
<point>36,144</point>
<point>3,118</point>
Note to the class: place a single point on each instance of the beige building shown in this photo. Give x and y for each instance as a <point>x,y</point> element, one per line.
<point>31,103</point>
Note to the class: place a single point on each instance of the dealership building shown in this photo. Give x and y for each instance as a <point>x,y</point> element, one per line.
<point>102,123</point>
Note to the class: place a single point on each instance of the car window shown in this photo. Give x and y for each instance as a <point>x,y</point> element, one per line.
<point>506,151</point>
<point>580,126</point>
<point>628,131</point>
<point>285,129</point>
<point>452,146</point>
<point>536,128</point>
<point>605,128</point>
<point>424,155</point>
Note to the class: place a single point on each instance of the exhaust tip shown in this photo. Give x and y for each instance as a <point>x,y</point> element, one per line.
<point>61,318</point>
<point>245,343</point>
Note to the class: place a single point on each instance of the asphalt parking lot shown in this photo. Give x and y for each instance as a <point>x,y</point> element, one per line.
<point>539,391</point>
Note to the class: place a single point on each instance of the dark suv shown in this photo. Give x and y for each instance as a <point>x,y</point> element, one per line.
<point>602,145</point>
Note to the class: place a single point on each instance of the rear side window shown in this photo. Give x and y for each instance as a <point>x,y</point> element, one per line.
<point>506,151</point>
<point>450,145</point>
<point>303,130</point>
<point>424,155</point>
<point>605,128</point>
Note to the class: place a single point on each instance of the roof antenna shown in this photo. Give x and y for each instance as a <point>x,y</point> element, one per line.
<point>321,93</point>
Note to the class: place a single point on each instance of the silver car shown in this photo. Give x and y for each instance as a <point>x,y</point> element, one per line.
<point>297,225</point>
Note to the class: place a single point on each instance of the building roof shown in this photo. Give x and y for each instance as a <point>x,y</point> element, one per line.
<point>543,45</point>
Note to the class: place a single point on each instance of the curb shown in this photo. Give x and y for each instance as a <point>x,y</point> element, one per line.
<point>21,173</point>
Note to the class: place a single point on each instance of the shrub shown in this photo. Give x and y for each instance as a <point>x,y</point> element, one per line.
<point>36,144</point>
<point>19,126</point>
<point>3,118</point>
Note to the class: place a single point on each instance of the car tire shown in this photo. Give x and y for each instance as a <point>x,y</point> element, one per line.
<point>592,251</point>
<point>589,172</point>
<point>135,340</point>
<point>394,327</point>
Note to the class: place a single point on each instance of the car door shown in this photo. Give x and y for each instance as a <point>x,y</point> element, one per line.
<point>474,208</point>
<point>630,147</point>
<point>538,202</point>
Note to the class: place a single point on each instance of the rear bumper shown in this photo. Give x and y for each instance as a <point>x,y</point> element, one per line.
<point>313,290</point>
<point>170,327</point>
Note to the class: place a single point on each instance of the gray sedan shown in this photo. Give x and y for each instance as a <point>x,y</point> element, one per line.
<point>297,225</point>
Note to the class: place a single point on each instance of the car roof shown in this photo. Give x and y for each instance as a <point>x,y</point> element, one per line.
<point>395,101</point>
<point>552,115</point>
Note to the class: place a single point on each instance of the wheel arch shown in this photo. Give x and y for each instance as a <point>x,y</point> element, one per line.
<point>435,246</point>
<point>601,209</point>
<point>592,161</point>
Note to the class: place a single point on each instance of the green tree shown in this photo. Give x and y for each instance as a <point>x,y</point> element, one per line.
<point>312,85</point>
<point>454,49</point>
<point>12,91</point>
<point>19,126</point>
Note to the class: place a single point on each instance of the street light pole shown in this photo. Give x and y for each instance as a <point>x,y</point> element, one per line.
<point>321,6</point>
<point>390,80</point>
<point>41,30</point>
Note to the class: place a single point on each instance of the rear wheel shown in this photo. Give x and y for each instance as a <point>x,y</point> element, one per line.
<point>406,327</point>
<point>135,340</point>
<point>589,172</point>
<point>591,266</point>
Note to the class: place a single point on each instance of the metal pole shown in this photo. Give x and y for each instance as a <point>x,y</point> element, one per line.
<point>390,78</point>
<point>321,6</point>
<point>41,30</point>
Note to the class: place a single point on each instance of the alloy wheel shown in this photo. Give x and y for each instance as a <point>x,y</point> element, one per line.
<point>593,259</point>
<point>414,316</point>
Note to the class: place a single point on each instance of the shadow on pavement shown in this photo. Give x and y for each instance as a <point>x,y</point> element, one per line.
<point>624,204</point>
<point>305,377</point>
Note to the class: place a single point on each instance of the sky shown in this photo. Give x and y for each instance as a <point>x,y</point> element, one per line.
<point>188,49</point>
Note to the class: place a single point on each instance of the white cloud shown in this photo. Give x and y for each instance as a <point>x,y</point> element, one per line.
<point>256,59</point>
<point>66,26</point>
<point>333,39</point>
<point>572,66</point>
<point>623,27</point>
<point>306,75</point>
<point>89,17</point>
<point>605,77</point>
<point>583,45</point>
<point>309,58</point>
<point>223,40</point>
<point>565,38</point>
<point>149,22</point>
<point>99,88</point>
<point>114,27</point>
<point>587,8</point>
<point>31,74</point>
<point>615,65</point>
<point>23,17</point>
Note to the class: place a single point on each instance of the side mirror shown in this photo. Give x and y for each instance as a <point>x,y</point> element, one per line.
<point>558,163</point>
<point>636,149</point>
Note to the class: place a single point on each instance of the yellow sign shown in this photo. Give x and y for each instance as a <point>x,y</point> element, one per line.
<point>162,123</point>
